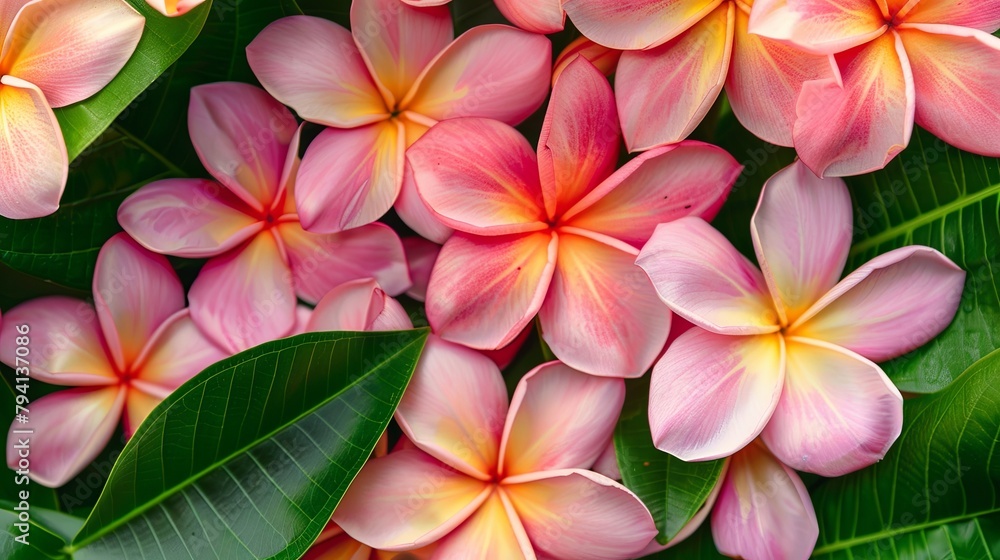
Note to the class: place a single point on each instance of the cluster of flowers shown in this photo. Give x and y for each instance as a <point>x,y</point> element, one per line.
<point>777,368</point>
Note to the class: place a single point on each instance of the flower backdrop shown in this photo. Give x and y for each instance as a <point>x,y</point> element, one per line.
<point>560,279</point>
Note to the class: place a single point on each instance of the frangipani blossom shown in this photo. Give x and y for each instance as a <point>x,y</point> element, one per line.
<point>172,8</point>
<point>789,353</point>
<point>260,257</point>
<point>55,53</point>
<point>379,87</point>
<point>557,234</point>
<point>933,62</point>
<point>494,482</point>
<point>123,358</point>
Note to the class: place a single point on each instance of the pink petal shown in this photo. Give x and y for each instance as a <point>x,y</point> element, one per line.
<point>635,24</point>
<point>955,84</point>
<point>578,147</point>
<point>174,8</point>
<point>321,262</point>
<point>71,428</point>
<point>686,74</point>
<point>66,346</point>
<point>71,49</point>
<point>603,58</point>
<point>416,214</point>
<point>859,123</point>
<point>191,218</point>
<point>420,256</point>
<point>802,233</point>
<point>135,291</point>
<point>246,296</point>
<point>242,136</point>
<point>33,159</point>
<point>701,277</point>
<point>838,412</point>
<point>764,81</point>
<point>560,418</point>
<point>177,352</point>
<point>424,499</point>
<point>479,176</point>
<point>710,394</point>
<point>579,514</point>
<point>494,531</point>
<point>491,71</point>
<point>485,290</point>
<point>601,314</point>
<point>313,65</point>
<point>658,186</point>
<point>358,305</point>
<point>439,416</point>
<point>818,26</point>
<point>398,41</point>
<point>537,16</point>
<point>895,303</point>
<point>984,16</point>
<point>764,510</point>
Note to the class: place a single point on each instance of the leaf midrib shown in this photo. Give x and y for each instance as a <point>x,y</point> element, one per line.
<point>874,537</point>
<point>191,480</point>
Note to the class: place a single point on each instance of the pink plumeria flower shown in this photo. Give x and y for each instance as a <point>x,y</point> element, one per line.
<point>789,353</point>
<point>260,257</point>
<point>173,8</point>
<point>557,234</point>
<point>932,62</point>
<point>504,483</point>
<point>380,87</point>
<point>123,358</point>
<point>55,53</point>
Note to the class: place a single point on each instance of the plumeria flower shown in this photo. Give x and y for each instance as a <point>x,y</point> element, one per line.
<point>55,53</point>
<point>557,234</point>
<point>260,257</point>
<point>932,62</point>
<point>487,481</point>
<point>789,353</point>
<point>172,8</point>
<point>379,87</point>
<point>122,358</point>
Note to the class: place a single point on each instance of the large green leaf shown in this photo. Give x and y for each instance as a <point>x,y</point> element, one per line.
<point>935,495</point>
<point>672,489</point>
<point>249,458</point>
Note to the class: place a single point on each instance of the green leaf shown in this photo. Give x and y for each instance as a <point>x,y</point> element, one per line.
<point>249,458</point>
<point>936,195</point>
<point>163,41</point>
<point>673,490</point>
<point>935,495</point>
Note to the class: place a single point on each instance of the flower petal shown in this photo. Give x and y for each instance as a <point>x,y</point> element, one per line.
<point>802,231</point>
<point>710,395</point>
<point>33,159</point>
<point>191,218</point>
<point>423,498</point>
<point>838,412</point>
<point>494,531</point>
<point>420,257</point>
<point>72,427</point>
<point>764,81</point>
<point>246,296</point>
<point>560,418</point>
<point>492,71</point>
<point>701,277</point>
<point>955,84</point>
<point>321,262</point>
<point>658,186</point>
<point>415,213</point>
<point>859,123</point>
<point>579,514</point>
<point>686,74</point>
<point>601,314</point>
<point>818,26</point>
<point>398,41</point>
<point>893,304</point>
<point>763,510</point>
<point>177,352</point>
<point>578,146</point>
<point>358,305</point>
<point>71,49</point>
<point>479,176</point>
<point>439,416</point>
<point>984,16</point>
<point>636,24</point>
<point>485,290</point>
<point>66,342</point>
<point>135,291</point>
<point>313,65</point>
